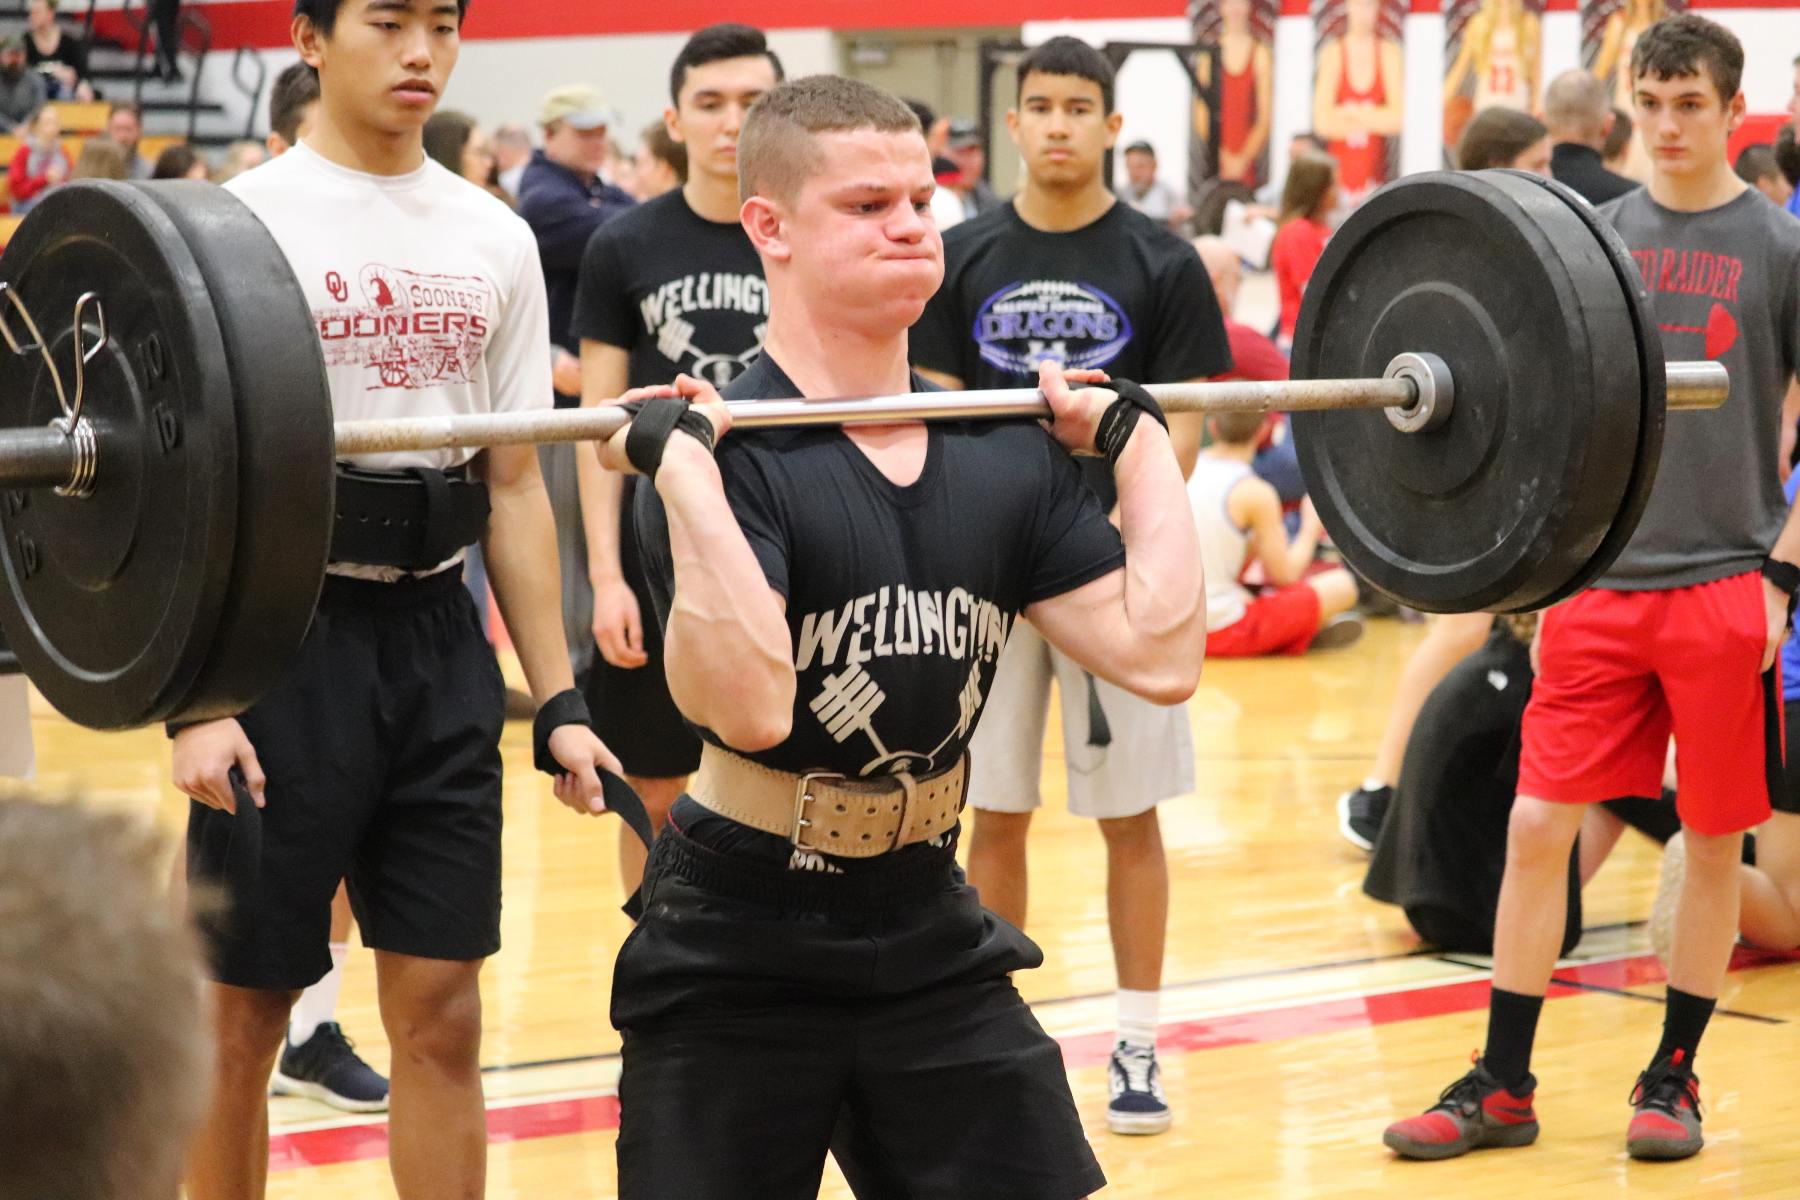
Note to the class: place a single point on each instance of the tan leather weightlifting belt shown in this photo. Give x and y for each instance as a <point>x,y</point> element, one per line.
<point>828,813</point>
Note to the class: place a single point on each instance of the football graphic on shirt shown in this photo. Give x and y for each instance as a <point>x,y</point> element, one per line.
<point>412,330</point>
<point>1721,331</point>
<point>1074,325</point>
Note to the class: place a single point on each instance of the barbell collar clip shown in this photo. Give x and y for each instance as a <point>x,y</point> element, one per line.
<point>1434,392</point>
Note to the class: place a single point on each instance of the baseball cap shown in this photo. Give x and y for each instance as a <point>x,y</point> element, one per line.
<point>577,105</point>
<point>963,132</point>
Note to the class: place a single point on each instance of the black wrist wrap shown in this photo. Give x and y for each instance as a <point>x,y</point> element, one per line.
<point>564,708</point>
<point>653,422</point>
<point>1120,420</point>
<point>1783,575</point>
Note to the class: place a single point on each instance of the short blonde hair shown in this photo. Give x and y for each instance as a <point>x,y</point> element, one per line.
<point>778,149</point>
<point>104,1055</point>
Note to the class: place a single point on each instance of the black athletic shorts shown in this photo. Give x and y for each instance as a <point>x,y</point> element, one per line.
<point>632,709</point>
<point>1787,799</point>
<point>758,1033</point>
<point>382,749</point>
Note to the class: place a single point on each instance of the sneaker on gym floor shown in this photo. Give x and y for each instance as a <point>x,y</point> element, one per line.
<point>1360,814</point>
<point>1138,1104</point>
<point>1668,898</point>
<point>1475,1111</point>
<point>327,1069</point>
<point>1666,1124</point>
<point>1345,629</point>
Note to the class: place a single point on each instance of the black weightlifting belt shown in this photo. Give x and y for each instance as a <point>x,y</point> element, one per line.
<point>413,519</point>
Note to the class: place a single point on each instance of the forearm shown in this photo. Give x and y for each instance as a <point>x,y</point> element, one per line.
<point>601,493</point>
<point>729,655</point>
<point>1299,556</point>
<point>1787,545</point>
<point>522,565</point>
<point>1165,588</point>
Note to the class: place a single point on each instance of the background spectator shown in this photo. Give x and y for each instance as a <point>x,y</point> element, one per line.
<point>180,162</point>
<point>962,146</point>
<point>165,17</point>
<point>662,162</point>
<point>1310,193</point>
<point>455,142</point>
<point>125,125</point>
<point>1617,150</point>
<point>1505,137</point>
<point>103,1049</point>
<point>22,90</point>
<point>101,158</point>
<point>1757,167</point>
<point>1145,192</point>
<point>40,163</point>
<point>1254,356</point>
<point>60,57</point>
<point>563,199</point>
<point>1579,114</point>
<point>292,102</point>
<point>512,150</point>
<point>241,157</point>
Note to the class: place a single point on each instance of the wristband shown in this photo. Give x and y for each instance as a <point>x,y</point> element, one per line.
<point>653,422</point>
<point>1120,419</point>
<point>564,708</point>
<point>1783,575</point>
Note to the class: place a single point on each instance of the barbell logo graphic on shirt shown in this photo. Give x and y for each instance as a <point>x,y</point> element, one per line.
<point>1074,325</point>
<point>413,330</point>
<point>665,310</point>
<point>954,624</point>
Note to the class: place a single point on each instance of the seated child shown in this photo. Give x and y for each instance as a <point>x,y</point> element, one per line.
<point>1237,514</point>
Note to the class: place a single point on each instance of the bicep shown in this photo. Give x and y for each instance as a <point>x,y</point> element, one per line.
<point>1086,622</point>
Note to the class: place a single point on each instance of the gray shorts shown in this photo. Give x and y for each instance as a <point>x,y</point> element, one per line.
<point>1150,758</point>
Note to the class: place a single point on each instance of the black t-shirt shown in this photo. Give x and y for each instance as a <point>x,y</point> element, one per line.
<point>1122,294</point>
<point>899,599</point>
<point>681,293</point>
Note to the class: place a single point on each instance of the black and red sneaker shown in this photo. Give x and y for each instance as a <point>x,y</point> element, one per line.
<point>1666,1125</point>
<point>1475,1111</point>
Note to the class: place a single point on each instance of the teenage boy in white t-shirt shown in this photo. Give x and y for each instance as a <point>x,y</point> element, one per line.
<point>376,758</point>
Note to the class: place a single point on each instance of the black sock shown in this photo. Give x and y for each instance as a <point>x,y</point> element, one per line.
<point>1684,1020</point>
<point>1512,1027</point>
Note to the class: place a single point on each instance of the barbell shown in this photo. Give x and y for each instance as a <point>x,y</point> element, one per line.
<point>1479,396</point>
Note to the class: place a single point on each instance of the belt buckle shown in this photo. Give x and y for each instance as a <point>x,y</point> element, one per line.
<point>801,799</point>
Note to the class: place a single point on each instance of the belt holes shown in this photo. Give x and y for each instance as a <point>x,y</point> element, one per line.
<point>896,808</point>
<point>871,811</point>
<point>834,833</point>
<point>841,808</point>
<point>865,837</point>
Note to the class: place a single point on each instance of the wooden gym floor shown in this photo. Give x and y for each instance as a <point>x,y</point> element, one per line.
<point>1299,1018</point>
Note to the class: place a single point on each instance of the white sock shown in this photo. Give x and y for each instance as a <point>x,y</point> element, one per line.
<point>1372,784</point>
<point>1137,1018</point>
<point>318,1003</point>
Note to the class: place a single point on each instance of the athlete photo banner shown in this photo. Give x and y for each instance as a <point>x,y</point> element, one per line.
<point>1241,33</point>
<point>1493,56</point>
<point>1359,81</point>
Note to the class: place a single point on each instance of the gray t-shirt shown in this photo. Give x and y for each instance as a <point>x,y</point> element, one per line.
<point>1725,285</point>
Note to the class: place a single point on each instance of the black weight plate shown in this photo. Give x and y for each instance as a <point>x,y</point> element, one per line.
<point>1504,503</point>
<point>112,602</point>
<point>1653,389</point>
<point>286,447</point>
<point>9,662</point>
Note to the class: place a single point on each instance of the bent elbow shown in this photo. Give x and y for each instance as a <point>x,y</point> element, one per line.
<point>753,733</point>
<point>1171,691</point>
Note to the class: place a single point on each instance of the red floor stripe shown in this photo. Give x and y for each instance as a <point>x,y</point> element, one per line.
<point>524,1122</point>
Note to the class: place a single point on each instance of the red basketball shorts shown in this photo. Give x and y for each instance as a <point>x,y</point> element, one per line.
<point>1621,671</point>
<point>1278,622</point>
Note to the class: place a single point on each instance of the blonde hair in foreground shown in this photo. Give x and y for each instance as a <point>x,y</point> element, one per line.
<point>778,149</point>
<point>104,1056</point>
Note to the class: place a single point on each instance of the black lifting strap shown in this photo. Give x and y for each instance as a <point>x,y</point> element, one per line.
<point>621,799</point>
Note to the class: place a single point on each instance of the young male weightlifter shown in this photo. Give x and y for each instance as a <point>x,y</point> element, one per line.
<point>672,286</point>
<point>1680,635</point>
<point>1066,274</point>
<point>376,758</point>
<point>835,604</point>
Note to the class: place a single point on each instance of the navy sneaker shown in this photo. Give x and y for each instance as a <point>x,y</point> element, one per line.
<point>1138,1105</point>
<point>1360,814</point>
<point>326,1068</point>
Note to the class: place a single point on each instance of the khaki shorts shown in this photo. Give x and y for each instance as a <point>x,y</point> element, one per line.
<point>1150,758</point>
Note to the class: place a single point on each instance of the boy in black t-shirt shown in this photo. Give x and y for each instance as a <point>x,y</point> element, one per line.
<point>673,286</point>
<point>1066,274</point>
<point>809,970</point>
